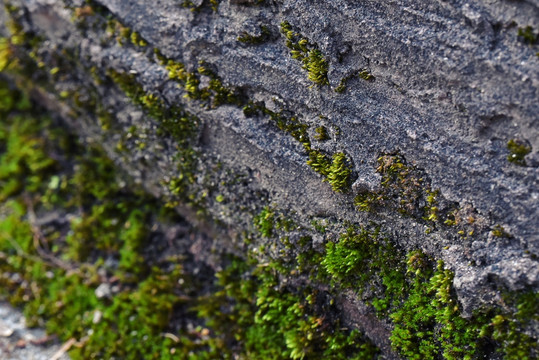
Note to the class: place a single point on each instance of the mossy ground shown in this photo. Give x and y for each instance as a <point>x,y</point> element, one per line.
<point>53,268</point>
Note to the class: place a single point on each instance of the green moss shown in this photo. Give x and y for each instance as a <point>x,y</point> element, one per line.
<point>253,314</point>
<point>507,328</point>
<point>265,222</point>
<point>337,170</point>
<point>518,150</point>
<point>428,323</point>
<point>404,189</point>
<point>339,173</point>
<point>321,133</point>
<point>213,4</point>
<point>173,120</point>
<point>133,323</point>
<point>7,60</point>
<point>360,259</point>
<point>317,67</point>
<point>527,34</point>
<point>312,59</point>
<point>320,225</point>
<point>365,75</point>
<point>286,320</point>
<point>137,40</point>
<point>500,232</point>
<point>111,223</point>
<point>23,161</point>
<point>420,301</point>
<point>431,210</point>
<point>342,86</point>
<point>214,95</point>
<point>366,201</point>
<point>319,162</point>
<point>264,36</point>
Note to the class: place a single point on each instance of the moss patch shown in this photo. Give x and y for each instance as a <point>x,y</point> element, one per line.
<point>518,149</point>
<point>308,53</point>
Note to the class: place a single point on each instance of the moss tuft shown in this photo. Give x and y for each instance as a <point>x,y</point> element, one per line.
<point>518,150</point>
<point>321,133</point>
<point>249,39</point>
<point>527,34</point>
<point>301,49</point>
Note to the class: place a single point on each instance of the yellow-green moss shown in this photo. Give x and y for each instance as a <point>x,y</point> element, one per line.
<point>311,57</point>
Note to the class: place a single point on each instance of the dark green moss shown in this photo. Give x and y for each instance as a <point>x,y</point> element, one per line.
<point>506,328</point>
<point>264,222</point>
<point>339,173</point>
<point>63,292</point>
<point>249,39</point>
<point>212,4</point>
<point>362,258</point>
<point>518,149</point>
<point>214,95</point>
<point>527,35</point>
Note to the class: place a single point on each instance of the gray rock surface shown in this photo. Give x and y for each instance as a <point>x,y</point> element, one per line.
<point>454,83</point>
<point>17,342</point>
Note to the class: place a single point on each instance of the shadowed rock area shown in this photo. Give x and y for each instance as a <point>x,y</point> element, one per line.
<point>380,156</point>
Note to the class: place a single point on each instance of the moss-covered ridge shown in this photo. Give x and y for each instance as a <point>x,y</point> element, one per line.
<point>352,246</point>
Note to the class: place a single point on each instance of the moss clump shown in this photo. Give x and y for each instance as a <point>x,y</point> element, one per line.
<point>213,4</point>
<point>365,75</point>
<point>527,34</point>
<point>312,59</point>
<point>339,173</point>
<point>419,299</point>
<point>366,201</point>
<point>270,321</point>
<point>507,328</point>
<point>7,60</point>
<point>137,40</point>
<point>181,125</point>
<point>518,150</point>
<point>214,95</point>
<point>249,39</point>
<point>342,87</point>
<point>337,170</point>
<point>500,232</point>
<point>265,222</point>
<point>364,260</point>
<point>428,324</point>
<point>321,133</point>
<point>404,188</point>
<point>23,158</point>
<point>124,34</point>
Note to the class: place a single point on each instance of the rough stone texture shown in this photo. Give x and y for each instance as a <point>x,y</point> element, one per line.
<point>17,342</point>
<point>453,84</point>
